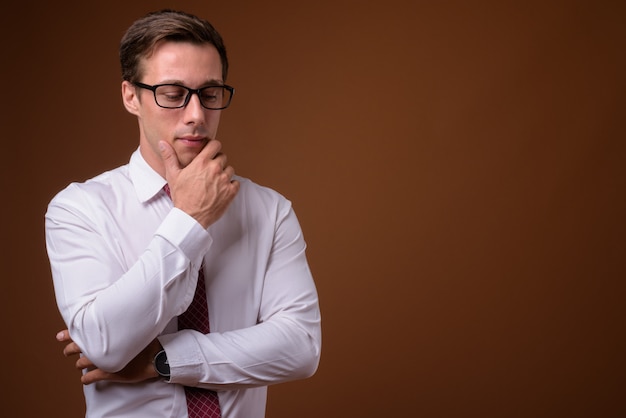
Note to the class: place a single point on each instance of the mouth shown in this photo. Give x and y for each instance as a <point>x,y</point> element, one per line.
<point>192,141</point>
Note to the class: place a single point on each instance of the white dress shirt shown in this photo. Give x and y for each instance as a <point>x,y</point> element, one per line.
<point>124,263</point>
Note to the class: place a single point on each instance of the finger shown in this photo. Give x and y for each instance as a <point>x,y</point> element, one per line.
<point>63,335</point>
<point>221,160</point>
<point>235,186</point>
<point>170,161</point>
<point>210,151</point>
<point>95,375</point>
<point>229,172</point>
<point>84,363</point>
<point>71,349</point>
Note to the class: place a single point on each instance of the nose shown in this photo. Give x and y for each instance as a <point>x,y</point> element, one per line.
<point>194,112</point>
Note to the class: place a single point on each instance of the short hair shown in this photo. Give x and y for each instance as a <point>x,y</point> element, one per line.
<point>142,36</point>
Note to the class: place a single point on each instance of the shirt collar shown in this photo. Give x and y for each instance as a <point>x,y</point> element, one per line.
<point>147,182</point>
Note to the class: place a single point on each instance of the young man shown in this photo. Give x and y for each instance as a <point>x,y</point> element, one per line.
<point>131,247</point>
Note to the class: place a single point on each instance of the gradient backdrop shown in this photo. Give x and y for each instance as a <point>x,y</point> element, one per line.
<point>458,168</point>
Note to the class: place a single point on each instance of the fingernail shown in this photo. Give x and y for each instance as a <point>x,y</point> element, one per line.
<point>60,335</point>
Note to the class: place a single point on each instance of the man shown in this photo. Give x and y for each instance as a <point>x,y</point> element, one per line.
<point>129,248</point>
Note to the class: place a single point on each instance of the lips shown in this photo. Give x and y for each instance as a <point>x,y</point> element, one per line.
<point>192,140</point>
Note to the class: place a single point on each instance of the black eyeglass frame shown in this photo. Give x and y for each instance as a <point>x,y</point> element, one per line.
<point>190,91</point>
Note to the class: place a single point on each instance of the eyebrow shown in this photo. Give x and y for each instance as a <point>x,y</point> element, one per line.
<point>212,82</point>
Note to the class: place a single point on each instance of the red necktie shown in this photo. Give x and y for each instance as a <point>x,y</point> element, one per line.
<point>201,403</point>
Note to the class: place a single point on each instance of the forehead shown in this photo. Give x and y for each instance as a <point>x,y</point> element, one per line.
<point>182,62</point>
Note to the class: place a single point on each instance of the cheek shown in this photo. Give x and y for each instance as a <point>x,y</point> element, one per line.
<point>159,125</point>
<point>213,124</point>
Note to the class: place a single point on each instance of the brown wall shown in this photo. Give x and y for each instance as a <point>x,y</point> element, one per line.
<point>457,167</point>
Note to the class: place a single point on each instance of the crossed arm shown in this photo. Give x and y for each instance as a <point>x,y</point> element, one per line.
<point>289,315</point>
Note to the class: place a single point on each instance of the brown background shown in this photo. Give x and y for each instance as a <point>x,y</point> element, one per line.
<point>457,168</point>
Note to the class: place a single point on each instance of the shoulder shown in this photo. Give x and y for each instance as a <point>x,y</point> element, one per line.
<point>103,187</point>
<point>255,194</point>
<point>260,205</point>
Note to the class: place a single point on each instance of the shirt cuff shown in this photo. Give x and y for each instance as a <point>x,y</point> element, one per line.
<point>186,361</point>
<point>185,233</point>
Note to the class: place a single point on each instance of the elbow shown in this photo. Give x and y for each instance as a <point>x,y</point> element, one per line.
<point>108,363</point>
<point>300,360</point>
<point>311,359</point>
<point>106,350</point>
<point>104,360</point>
<point>311,365</point>
<point>98,350</point>
<point>315,355</point>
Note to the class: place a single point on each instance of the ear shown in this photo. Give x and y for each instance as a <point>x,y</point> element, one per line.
<point>130,98</point>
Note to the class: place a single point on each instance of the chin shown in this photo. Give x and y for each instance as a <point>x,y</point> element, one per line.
<point>187,158</point>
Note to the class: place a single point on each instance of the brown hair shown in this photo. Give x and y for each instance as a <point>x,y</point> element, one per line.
<point>143,35</point>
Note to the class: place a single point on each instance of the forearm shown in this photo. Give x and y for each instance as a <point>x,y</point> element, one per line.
<point>114,311</point>
<point>264,354</point>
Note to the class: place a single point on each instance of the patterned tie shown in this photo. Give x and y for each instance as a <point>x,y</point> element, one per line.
<point>201,403</point>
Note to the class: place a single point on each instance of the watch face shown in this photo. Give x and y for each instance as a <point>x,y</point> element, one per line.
<point>161,365</point>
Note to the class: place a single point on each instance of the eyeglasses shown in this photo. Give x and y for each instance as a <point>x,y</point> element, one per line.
<point>175,96</point>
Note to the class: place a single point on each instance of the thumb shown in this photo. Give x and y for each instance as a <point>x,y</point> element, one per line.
<point>170,161</point>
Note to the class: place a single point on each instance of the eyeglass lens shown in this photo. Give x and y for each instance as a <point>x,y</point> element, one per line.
<point>172,96</point>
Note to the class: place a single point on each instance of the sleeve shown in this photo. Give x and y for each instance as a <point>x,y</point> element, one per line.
<point>112,311</point>
<point>284,345</point>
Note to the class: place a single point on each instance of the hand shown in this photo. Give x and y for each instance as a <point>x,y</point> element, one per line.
<point>137,370</point>
<point>204,188</point>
